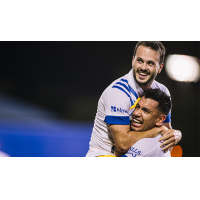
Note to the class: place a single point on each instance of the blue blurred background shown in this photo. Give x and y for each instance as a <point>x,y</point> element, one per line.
<point>49,93</point>
<point>29,130</point>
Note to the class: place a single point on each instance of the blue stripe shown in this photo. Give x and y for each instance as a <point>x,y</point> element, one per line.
<point>168,118</point>
<point>124,120</point>
<point>130,88</point>
<point>119,83</point>
<point>123,156</point>
<point>124,92</point>
<point>124,80</point>
<point>134,93</point>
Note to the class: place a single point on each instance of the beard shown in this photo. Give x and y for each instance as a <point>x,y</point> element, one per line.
<point>148,81</point>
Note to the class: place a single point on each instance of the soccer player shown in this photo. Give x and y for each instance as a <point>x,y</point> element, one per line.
<point>150,111</point>
<point>116,105</point>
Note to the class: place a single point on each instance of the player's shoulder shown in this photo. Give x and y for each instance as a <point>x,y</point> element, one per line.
<point>118,92</point>
<point>161,86</point>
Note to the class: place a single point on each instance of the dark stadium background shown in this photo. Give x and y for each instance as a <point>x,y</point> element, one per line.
<point>67,79</point>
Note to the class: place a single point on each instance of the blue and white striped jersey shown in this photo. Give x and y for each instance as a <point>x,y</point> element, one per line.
<point>114,108</point>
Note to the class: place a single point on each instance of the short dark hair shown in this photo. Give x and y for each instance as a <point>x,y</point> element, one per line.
<point>154,45</point>
<point>164,101</point>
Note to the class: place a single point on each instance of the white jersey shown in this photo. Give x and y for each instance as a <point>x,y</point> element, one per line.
<point>147,147</point>
<point>114,108</point>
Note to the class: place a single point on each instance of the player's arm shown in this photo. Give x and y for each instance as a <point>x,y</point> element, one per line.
<point>124,138</point>
<point>170,137</point>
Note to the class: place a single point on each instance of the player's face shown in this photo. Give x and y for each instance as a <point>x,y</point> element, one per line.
<point>146,66</point>
<point>145,115</point>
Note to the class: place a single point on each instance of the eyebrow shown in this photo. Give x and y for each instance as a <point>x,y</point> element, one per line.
<point>146,109</point>
<point>147,60</point>
<point>151,61</point>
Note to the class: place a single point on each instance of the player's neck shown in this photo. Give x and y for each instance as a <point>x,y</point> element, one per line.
<point>145,86</point>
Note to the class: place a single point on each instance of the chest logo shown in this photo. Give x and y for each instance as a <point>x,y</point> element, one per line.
<point>115,109</point>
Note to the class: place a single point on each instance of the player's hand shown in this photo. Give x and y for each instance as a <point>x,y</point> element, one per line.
<point>159,130</point>
<point>170,138</point>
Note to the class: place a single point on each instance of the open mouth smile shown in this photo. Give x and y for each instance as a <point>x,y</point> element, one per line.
<point>142,74</point>
<point>136,123</point>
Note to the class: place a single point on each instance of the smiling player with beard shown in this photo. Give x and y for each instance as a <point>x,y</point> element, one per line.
<point>115,107</point>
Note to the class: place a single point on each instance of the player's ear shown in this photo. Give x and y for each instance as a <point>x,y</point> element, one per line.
<point>160,120</point>
<point>160,68</point>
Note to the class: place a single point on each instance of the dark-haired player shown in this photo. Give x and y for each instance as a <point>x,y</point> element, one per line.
<point>150,111</point>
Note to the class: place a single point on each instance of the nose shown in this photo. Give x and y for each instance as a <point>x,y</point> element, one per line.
<point>144,66</point>
<point>137,112</point>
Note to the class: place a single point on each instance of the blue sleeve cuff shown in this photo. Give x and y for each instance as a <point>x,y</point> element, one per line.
<point>168,118</point>
<point>117,120</point>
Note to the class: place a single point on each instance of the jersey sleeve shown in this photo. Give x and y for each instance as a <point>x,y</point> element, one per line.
<point>117,102</point>
<point>168,118</point>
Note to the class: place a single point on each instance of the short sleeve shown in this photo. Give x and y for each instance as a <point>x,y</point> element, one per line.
<point>117,102</point>
<point>168,118</point>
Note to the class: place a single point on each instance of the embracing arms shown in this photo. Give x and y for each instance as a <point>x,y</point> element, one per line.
<point>170,137</point>
<point>124,138</point>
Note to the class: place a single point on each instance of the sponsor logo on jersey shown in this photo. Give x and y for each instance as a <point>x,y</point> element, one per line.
<point>115,109</point>
<point>133,152</point>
